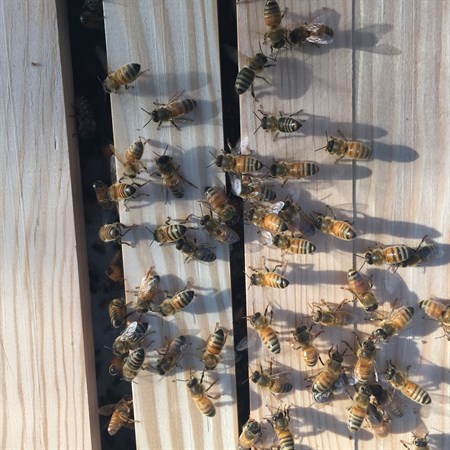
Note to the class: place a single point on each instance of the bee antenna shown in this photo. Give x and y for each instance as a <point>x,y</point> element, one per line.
<point>260,124</point>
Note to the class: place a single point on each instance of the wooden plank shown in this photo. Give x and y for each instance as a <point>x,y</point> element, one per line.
<point>48,382</point>
<point>344,87</point>
<point>178,42</point>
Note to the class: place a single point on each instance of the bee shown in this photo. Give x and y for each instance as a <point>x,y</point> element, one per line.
<point>377,420</point>
<point>120,413</point>
<point>214,345</point>
<point>218,230</point>
<point>101,193</point>
<point>365,363</point>
<point>234,161</point>
<point>268,278</point>
<point>198,252</point>
<point>418,443</point>
<point>115,270</point>
<point>397,321</point>
<point>133,334</point>
<point>337,388</point>
<point>384,398</point>
<point>337,317</point>
<point>273,383</point>
<point>341,147</point>
<point>167,112</point>
<point>123,76</point>
<point>280,423</point>
<point>248,73</point>
<point>220,204</point>
<point>325,379</point>
<point>429,252</point>
<point>408,388</point>
<point>201,399</point>
<point>394,255</point>
<point>315,32</point>
<point>268,218</point>
<point>121,191</point>
<point>147,291</point>
<point>292,170</point>
<point>275,34</point>
<point>131,161</point>
<point>171,355</point>
<point>362,290</point>
<point>179,301</point>
<point>133,363</point>
<point>303,338</point>
<point>278,124</point>
<point>267,334</point>
<point>293,244</point>
<point>358,411</point>
<point>117,311</point>
<point>340,229</point>
<point>169,233</point>
<point>112,232</point>
<point>91,20</point>
<point>85,116</point>
<point>249,188</point>
<point>297,220</point>
<point>437,310</point>
<point>251,432</point>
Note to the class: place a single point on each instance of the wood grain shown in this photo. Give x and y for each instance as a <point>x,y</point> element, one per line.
<point>48,384</point>
<point>383,81</point>
<point>178,42</point>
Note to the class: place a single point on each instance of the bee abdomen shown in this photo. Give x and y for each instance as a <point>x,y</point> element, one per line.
<point>357,150</point>
<point>288,125</point>
<point>281,388</point>
<point>135,359</point>
<point>244,80</point>
<point>310,355</point>
<point>127,73</point>
<point>355,418</point>
<point>182,299</point>
<point>272,343</point>
<point>286,440</point>
<point>206,407</point>
<point>416,393</point>
<point>272,13</point>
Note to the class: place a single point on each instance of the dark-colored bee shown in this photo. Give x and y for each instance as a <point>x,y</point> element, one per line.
<point>278,124</point>
<point>292,170</point>
<point>132,364</point>
<point>343,148</point>
<point>113,232</point>
<point>218,230</point>
<point>198,252</point>
<point>220,204</point>
<point>358,410</point>
<point>315,32</point>
<point>167,112</point>
<point>386,400</point>
<point>418,443</point>
<point>85,116</point>
<point>117,311</point>
<point>171,355</point>
<point>123,76</point>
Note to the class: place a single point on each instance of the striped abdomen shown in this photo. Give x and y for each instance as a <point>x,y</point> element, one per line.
<point>272,13</point>
<point>415,392</point>
<point>270,339</point>
<point>288,124</point>
<point>357,150</point>
<point>127,73</point>
<point>356,417</point>
<point>117,312</point>
<point>285,439</point>
<point>279,387</point>
<point>135,359</point>
<point>180,108</point>
<point>244,80</point>
<point>310,355</point>
<point>174,184</point>
<point>182,299</point>
<point>397,254</point>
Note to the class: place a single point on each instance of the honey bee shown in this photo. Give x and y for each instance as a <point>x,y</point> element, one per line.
<point>268,278</point>
<point>251,432</point>
<point>341,147</point>
<point>358,411</point>
<point>133,334</point>
<point>179,301</point>
<point>362,290</point>
<point>292,170</point>
<point>123,76</point>
<point>377,420</point>
<point>394,255</point>
<point>437,310</point>
<point>221,205</point>
<point>408,388</point>
<point>198,252</point>
<point>340,229</point>
<point>248,73</point>
<point>280,422</point>
<point>249,188</point>
<point>171,355</point>
<point>293,244</point>
<point>384,398</point>
<point>267,334</point>
<point>147,291</point>
<point>120,191</point>
<point>297,220</point>
<point>397,321</point>
<point>325,379</point>
<point>101,193</point>
<point>268,218</point>
<point>303,338</point>
<point>234,161</point>
<point>132,364</point>
<point>92,20</point>
<point>167,112</point>
<point>273,383</point>
<point>328,317</point>
<point>214,345</point>
<point>85,116</point>
<point>115,366</point>
<point>117,311</point>
<point>275,34</point>
<point>201,399</point>
<point>365,363</point>
<point>131,161</point>
<point>218,230</point>
<point>115,270</point>
<point>315,32</point>
<point>169,233</point>
<point>418,443</point>
<point>120,413</point>
<point>278,124</point>
<point>112,232</point>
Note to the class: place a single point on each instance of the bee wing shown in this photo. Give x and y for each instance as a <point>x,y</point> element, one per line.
<point>130,330</point>
<point>232,53</point>
<point>236,183</point>
<point>276,207</point>
<point>107,410</point>
<point>265,237</point>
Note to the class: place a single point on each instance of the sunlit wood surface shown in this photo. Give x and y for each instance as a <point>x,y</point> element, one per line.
<point>384,80</point>
<point>48,386</point>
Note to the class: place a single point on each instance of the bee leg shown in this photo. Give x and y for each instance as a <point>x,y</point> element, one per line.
<point>174,124</point>
<point>338,159</point>
<point>342,135</point>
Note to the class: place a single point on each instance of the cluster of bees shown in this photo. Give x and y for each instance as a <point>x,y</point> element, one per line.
<point>282,224</point>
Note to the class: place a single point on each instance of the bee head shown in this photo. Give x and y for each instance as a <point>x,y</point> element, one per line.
<point>219,161</point>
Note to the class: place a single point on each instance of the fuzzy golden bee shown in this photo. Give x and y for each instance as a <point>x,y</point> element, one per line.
<point>365,363</point>
<point>131,161</point>
<point>179,301</point>
<point>171,355</point>
<point>280,423</point>
<point>193,251</point>
<point>362,290</point>
<point>268,278</point>
<point>251,432</point>
<point>268,335</point>
<point>117,311</point>
<point>169,233</point>
<point>323,315</point>
<point>275,34</point>
<point>399,380</point>
<point>325,379</point>
<point>303,339</point>
<point>232,160</point>
<point>437,310</point>
<point>278,124</point>
<point>316,33</point>
<point>201,398</point>
<point>214,346</point>
<point>267,218</point>
<point>293,244</point>
<point>101,193</point>
<point>123,76</point>
<point>340,229</point>
<point>220,204</point>
<point>168,112</point>
<point>358,410</point>
<point>343,148</point>
<point>114,232</point>
<point>147,291</point>
<point>397,321</point>
<point>133,334</point>
<point>394,255</point>
<point>250,188</point>
<point>120,413</point>
<point>117,192</point>
<point>115,269</point>
<point>273,383</point>
<point>292,170</point>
